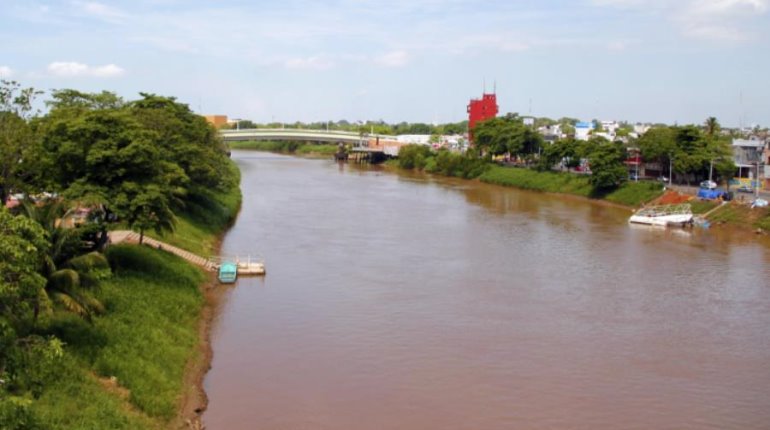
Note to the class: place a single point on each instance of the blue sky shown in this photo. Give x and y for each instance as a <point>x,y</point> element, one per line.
<point>405,60</point>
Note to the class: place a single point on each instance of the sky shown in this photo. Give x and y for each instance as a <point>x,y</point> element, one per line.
<point>669,61</point>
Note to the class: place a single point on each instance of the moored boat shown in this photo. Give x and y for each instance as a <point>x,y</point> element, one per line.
<point>228,272</point>
<point>664,215</point>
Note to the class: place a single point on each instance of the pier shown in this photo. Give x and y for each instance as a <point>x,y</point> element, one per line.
<point>246,266</point>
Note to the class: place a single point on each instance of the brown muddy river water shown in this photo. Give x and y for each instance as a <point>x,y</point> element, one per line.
<point>409,302</point>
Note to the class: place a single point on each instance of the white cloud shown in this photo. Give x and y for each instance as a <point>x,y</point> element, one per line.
<point>100,10</point>
<point>724,20</point>
<point>309,63</point>
<point>719,19</point>
<point>5,72</point>
<point>73,69</point>
<point>393,59</point>
<point>618,3</point>
<point>727,7</point>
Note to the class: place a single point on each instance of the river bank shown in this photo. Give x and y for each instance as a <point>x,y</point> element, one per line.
<point>141,363</point>
<point>632,195</point>
<point>310,150</point>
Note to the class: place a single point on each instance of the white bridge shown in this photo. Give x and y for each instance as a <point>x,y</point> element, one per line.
<point>295,134</point>
<point>365,142</point>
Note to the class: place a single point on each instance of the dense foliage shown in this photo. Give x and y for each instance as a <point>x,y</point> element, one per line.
<point>144,163</point>
<point>689,150</point>
<point>443,162</point>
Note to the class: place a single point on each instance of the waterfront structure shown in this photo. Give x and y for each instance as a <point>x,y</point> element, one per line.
<point>480,110</point>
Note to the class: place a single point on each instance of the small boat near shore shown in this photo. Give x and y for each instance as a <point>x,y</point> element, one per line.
<point>664,215</point>
<point>229,268</point>
<point>228,272</point>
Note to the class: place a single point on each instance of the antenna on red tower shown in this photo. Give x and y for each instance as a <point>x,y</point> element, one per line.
<point>494,87</point>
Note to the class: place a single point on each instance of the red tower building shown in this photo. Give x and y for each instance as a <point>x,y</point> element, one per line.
<point>480,110</point>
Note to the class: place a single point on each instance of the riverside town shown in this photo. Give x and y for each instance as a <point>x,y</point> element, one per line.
<point>384,215</point>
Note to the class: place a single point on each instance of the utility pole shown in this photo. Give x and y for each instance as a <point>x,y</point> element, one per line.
<point>670,169</point>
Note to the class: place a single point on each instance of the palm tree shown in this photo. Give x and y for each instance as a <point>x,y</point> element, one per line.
<point>72,279</point>
<point>712,126</point>
<point>73,286</point>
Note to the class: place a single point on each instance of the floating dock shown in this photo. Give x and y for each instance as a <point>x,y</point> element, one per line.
<point>245,266</point>
<point>248,266</point>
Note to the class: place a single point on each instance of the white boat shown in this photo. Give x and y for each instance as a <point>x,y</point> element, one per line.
<point>664,215</point>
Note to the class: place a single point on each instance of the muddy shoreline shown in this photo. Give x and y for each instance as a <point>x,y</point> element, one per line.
<point>194,400</point>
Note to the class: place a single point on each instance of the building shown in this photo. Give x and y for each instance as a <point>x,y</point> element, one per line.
<point>767,164</point>
<point>583,130</point>
<point>216,120</point>
<point>480,110</point>
<point>551,133</point>
<point>610,127</point>
<point>748,155</point>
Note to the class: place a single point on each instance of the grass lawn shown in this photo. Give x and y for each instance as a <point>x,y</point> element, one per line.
<point>629,194</point>
<point>144,340</point>
<point>742,215</point>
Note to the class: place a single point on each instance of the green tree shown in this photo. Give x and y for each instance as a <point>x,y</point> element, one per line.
<point>108,157</point>
<point>658,144</point>
<point>413,156</point>
<point>498,136</point>
<point>145,207</point>
<point>74,99</point>
<point>563,150</point>
<point>186,139</point>
<point>17,139</point>
<point>606,161</point>
<point>23,248</point>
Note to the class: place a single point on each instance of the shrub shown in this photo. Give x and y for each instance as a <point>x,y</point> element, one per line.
<point>413,156</point>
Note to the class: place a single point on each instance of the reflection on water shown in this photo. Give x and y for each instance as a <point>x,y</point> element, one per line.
<point>409,302</point>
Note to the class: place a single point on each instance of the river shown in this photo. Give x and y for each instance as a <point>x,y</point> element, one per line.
<point>398,301</point>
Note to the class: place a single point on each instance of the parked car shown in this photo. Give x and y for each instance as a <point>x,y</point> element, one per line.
<point>745,189</point>
<point>709,185</point>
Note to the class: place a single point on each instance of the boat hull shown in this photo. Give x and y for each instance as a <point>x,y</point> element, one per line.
<point>665,220</point>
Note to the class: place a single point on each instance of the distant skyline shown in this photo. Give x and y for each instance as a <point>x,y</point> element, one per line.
<point>670,61</point>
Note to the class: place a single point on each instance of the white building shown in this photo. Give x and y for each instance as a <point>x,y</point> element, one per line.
<point>610,127</point>
<point>583,130</point>
<point>414,139</point>
<point>640,129</point>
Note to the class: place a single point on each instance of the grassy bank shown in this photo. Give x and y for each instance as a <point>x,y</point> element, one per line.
<point>206,215</point>
<point>287,147</point>
<point>126,369</point>
<point>741,215</point>
<point>470,166</point>
<point>629,194</point>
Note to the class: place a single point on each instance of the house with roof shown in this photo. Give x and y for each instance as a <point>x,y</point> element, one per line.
<point>583,130</point>
<point>749,158</point>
